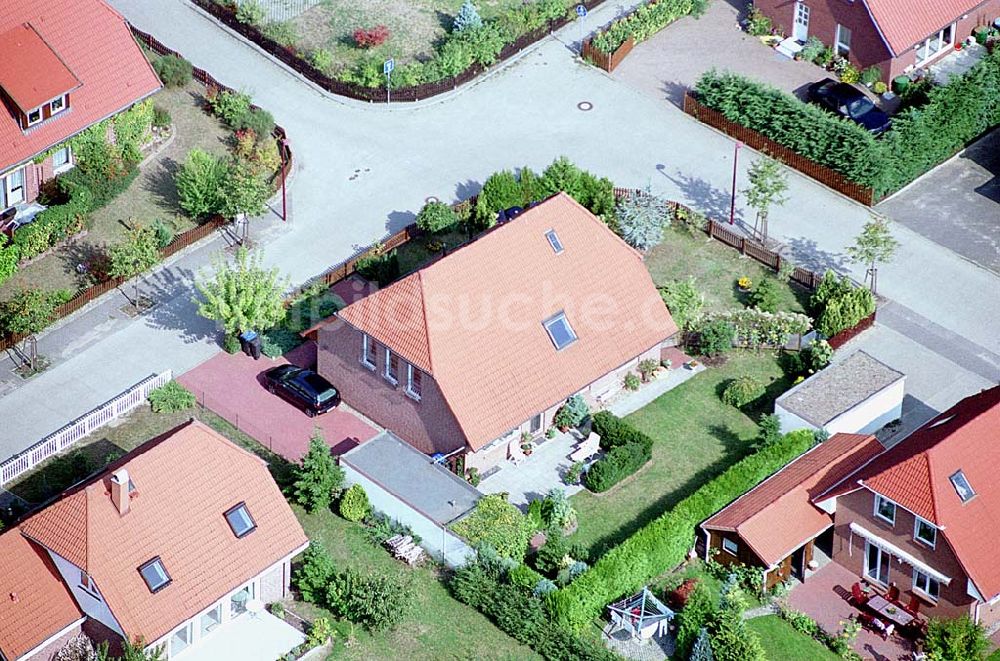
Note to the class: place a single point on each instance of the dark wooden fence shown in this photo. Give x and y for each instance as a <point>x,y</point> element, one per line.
<point>844,336</point>
<point>607,61</point>
<point>290,56</point>
<point>820,173</point>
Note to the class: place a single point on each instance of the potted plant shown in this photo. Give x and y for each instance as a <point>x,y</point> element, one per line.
<point>666,363</point>
<point>527,448</point>
<point>647,368</point>
<point>550,432</point>
<point>745,284</point>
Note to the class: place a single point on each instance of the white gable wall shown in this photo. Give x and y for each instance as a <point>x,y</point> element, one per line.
<point>91,604</point>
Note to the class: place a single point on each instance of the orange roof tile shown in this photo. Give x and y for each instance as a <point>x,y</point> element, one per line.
<point>185,481</point>
<point>35,604</point>
<point>94,43</point>
<point>916,475</point>
<point>904,23</point>
<point>31,73</point>
<point>473,320</point>
<point>777,516</point>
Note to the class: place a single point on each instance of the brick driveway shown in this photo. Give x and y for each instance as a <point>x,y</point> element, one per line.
<point>233,387</point>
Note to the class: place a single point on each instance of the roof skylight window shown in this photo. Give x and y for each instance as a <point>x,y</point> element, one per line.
<point>155,574</point>
<point>560,332</point>
<point>554,241</point>
<point>962,486</point>
<point>240,521</point>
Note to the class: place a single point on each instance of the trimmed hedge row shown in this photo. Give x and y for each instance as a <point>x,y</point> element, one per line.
<point>664,543</point>
<point>921,136</point>
<point>628,450</point>
<point>645,21</point>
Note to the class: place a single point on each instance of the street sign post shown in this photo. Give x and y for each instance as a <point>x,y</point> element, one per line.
<point>387,68</point>
<point>581,11</point>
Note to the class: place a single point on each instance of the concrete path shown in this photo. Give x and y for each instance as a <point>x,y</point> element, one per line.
<point>362,171</point>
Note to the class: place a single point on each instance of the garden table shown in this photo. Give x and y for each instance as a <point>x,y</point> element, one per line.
<point>890,611</point>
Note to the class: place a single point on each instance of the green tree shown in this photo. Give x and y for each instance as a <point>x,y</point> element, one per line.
<point>199,183</point>
<point>765,296</point>
<point>318,478</point>
<point>436,217</point>
<point>702,650</point>
<point>959,639</point>
<point>243,193</point>
<point>732,640</point>
<point>768,183</point>
<point>500,191</point>
<point>28,313</point>
<point>873,246</point>
<point>314,574</point>
<point>683,300</point>
<point>136,254</point>
<point>132,650</point>
<point>467,17</point>
<point>242,295</point>
<point>696,614</point>
<point>379,601</point>
<point>354,504</point>
<point>642,217</point>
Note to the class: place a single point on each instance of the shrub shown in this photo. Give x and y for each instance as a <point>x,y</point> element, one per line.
<point>553,554</point>
<point>812,49</point>
<point>765,296</point>
<point>842,305</point>
<point>697,612</point>
<point>483,43</point>
<point>758,23</point>
<point>742,390</point>
<point>682,300</point>
<point>500,191</point>
<point>282,33</point>
<point>615,466</point>
<point>642,217</point>
<point>645,21</point>
<point>733,640</point>
<point>371,37</point>
<point>557,510</point>
<point>161,118</point>
<point>871,75</point>
<point>379,266</point>
<point>647,368</point>
<point>615,432</point>
<point>498,523</point>
<point>716,338</point>
<point>378,601</point>
<point>10,255</point>
<point>768,432</point>
<point>572,474</point>
<point>819,354</point>
<point>318,478</point>
<point>250,12</point>
<point>230,107</point>
<point>354,504</point>
<point>315,572</point>
<point>199,183</point>
<point>959,639</point>
<point>173,70</point>
<point>322,59</point>
<point>631,382</point>
<point>596,194</point>
<point>171,397</point>
<point>467,17</point>
<point>572,413</point>
<point>664,543</point>
<point>436,217</point>
<point>321,631</point>
<point>258,120</point>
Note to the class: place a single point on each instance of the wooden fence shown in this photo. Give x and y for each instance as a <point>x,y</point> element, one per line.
<point>290,56</point>
<point>844,336</point>
<point>58,441</point>
<point>838,182</point>
<point>607,61</point>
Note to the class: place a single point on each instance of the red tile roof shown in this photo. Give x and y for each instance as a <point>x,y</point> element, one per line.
<point>916,475</point>
<point>31,73</point>
<point>777,516</point>
<point>94,43</point>
<point>473,320</point>
<point>185,481</point>
<point>904,23</point>
<point>35,604</point>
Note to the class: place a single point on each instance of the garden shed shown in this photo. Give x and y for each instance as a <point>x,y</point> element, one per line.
<point>857,395</point>
<point>408,486</point>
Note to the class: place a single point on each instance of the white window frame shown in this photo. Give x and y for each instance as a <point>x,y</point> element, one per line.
<point>7,189</point>
<point>394,380</point>
<point>927,579</point>
<point>554,242</point>
<point>880,499</point>
<point>87,584</point>
<point>409,382</point>
<point>843,48</point>
<point>916,528</point>
<point>69,159</point>
<point>41,116</point>
<point>882,553</point>
<point>552,321</point>
<point>726,542</point>
<point>937,40</point>
<point>202,631</point>
<point>61,100</point>
<point>366,344</point>
<point>190,638</point>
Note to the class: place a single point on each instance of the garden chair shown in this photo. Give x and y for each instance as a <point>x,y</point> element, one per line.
<point>587,448</point>
<point>858,597</point>
<point>893,593</point>
<point>914,606</point>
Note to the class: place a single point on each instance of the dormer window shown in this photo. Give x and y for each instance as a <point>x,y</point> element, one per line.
<point>962,486</point>
<point>58,104</point>
<point>33,76</point>
<point>34,116</point>
<point>154,574</point>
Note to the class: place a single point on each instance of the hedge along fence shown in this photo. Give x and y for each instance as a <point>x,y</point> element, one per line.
<point>607,61</point>
<point>609,45</point>
<point>290,56</point>
<point>665,542</point>
<point>920,138</point>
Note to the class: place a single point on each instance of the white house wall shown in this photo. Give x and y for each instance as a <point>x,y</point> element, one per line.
<point>93,605</point>
<point>790,421</point>
<point>872,414</point>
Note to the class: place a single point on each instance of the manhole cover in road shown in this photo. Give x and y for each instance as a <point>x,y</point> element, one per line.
<point>431,198</point>
<point>585,106</point>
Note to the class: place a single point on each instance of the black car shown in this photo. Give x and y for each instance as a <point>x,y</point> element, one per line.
<point>849,102</point>
<point>302,387</point>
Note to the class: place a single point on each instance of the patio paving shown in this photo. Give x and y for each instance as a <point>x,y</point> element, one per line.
<point>822,598</point>
<point>628,402</point>
<point>233,387</point>
<point>249,638</point>
<point>537,473</point>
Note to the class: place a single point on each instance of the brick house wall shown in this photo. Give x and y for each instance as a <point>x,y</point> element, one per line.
<point>867,45</point>
<point>849,551</point>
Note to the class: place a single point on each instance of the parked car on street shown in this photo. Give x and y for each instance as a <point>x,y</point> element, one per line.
<point>302,387</point>
<point>850,103</point>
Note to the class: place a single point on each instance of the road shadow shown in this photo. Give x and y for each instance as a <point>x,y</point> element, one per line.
<point>807,254</point>
<point>174,308</point>
<point>397,220</point>
<point>713,202</point>
<point>466,189</point>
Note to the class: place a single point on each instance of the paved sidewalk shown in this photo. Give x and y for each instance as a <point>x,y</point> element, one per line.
<point>524,114</point>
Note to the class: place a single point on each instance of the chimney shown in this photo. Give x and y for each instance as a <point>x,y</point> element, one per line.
<point>119,490</point>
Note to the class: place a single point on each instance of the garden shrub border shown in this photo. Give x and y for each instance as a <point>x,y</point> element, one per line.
<point>608,46</point>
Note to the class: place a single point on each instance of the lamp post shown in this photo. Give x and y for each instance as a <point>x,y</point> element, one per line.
<point>282,146</point>
<point>732,204</point>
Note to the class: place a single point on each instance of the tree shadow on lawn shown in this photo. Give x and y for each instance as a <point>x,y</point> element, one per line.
<point>161,182</point>
<point>92,258</point>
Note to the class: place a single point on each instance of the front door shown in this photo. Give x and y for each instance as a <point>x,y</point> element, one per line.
<point>800,30</point>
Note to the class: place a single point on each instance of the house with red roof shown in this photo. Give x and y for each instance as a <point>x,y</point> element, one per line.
<point>895,35</point>
<point>468,353</point>
<point>920,518</point>
<point>64,66</point>
<point>775,526</point>
<point>179,543</point>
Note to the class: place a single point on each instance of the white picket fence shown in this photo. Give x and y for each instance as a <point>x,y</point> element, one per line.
<point>83,426</point>
<point>284,10</point>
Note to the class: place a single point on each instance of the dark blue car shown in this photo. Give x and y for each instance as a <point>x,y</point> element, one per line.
<point>850,103</point>
<point>302,387</point>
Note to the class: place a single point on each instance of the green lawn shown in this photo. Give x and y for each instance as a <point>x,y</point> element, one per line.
<point>783,643</point>
<point>439,627</point>
<point>695,437</point>
<point>715,268</point>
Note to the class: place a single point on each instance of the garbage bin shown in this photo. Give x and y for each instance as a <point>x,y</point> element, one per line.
<point>250,341</point>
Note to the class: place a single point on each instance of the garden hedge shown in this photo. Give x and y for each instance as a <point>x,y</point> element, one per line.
<point>645,21</point>
<point>628,450</point>
<point>664,543</point>
<point>922,136</point>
